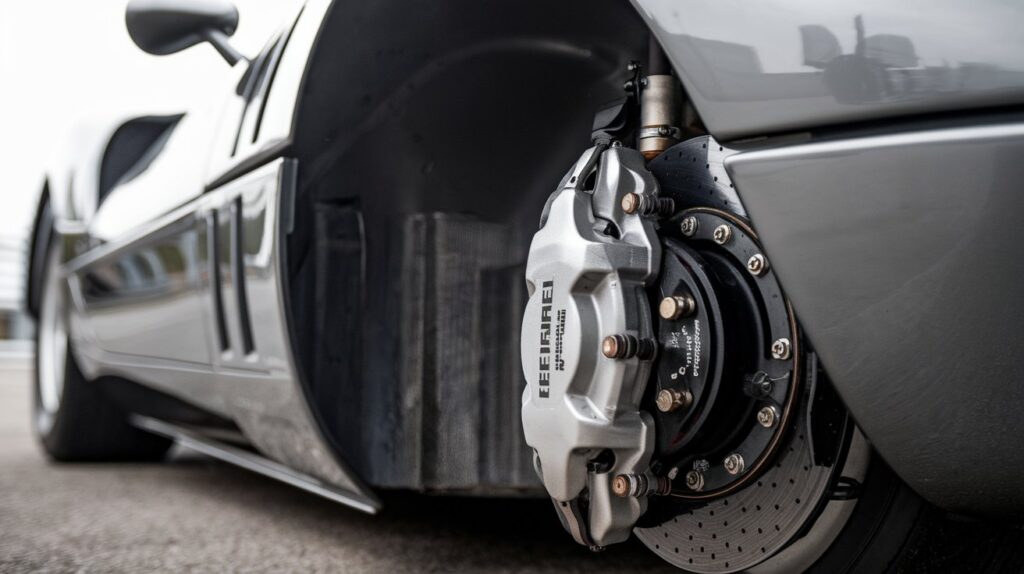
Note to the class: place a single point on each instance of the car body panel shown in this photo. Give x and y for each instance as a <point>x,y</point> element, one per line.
<point>159,307</point>
<point>787,65</point>
<point>901,254</point>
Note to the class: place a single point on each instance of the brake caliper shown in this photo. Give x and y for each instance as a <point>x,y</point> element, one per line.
<point>588,342</point>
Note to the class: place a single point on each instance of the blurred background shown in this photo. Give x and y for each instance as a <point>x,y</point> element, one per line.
<point>65,59</point>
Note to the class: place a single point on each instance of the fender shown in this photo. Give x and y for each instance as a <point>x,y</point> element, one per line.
<point>783,65</point>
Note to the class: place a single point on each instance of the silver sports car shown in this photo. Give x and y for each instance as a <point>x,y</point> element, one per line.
<point>743,280</point>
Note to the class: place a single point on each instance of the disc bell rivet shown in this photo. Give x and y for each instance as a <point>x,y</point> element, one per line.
<point>695,480</point>
<point>722,234</point>
<point>757,264</point>
<point>781,349</point>
<point>766,417</point>
<point>676,306</point>
<point>733,463</point>
<point>630,203</point>
<point>688,226</point>
<point>669,400</point>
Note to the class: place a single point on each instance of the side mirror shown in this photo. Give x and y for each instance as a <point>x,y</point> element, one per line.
<point>166,26</point>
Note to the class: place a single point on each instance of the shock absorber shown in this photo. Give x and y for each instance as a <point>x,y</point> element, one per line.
<point>660,105</point>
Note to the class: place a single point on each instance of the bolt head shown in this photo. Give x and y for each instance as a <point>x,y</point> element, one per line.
<point>722,234</point>
<point>620,486</point>
<point>688,226</point>
<point>676,306</point>
<point>766,417</point>
<point>781,349</point>
<point>757,264</point>
<point>733,464</point>
<point>669,400</point>
<point>630,203</point>
<point>673,473</point>
<point>694,480</point>
<point>610,347</point>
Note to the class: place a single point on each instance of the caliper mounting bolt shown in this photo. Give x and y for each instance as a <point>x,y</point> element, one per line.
<point>781,349</point>
<point>722,234</point>
<point>757,264</point>
<point>695,480</point>
<point>669,400</point>
<point>647,205</point>
<point>637,485</point>
<point>688,226</point>
<point>627,347</point>
<point>766,416</point>
<point>676,306</point>
<point>733,463</point>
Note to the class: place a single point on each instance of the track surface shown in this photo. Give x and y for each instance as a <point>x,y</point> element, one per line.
<point>193,514</point>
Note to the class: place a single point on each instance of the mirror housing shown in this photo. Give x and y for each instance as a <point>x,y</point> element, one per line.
<point>163,27</point>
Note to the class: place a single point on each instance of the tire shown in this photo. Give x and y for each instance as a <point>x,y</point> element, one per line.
<point>73,418</point>
<point>893,530</point>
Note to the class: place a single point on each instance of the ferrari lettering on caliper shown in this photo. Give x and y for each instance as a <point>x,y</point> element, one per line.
<point>587,342</point>
<point>547,292</point>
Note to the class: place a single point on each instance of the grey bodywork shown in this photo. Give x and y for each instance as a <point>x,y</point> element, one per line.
<point>755,69</point>
<point>902,256</point>
<point>751,71</point>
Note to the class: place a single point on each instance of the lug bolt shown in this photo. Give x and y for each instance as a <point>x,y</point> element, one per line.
<point>669,400</point>
<point>673,473</point>
<point>781,349</point>
<point>757,264</point>
<point>733,464</point>
<point>627,347</point>
<point>722,234</point>
<point>695,480</point>
<point>676,306</point>
<point>766,417</point>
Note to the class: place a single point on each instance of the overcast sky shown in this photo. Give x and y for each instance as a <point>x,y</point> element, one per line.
<point>63,58</point>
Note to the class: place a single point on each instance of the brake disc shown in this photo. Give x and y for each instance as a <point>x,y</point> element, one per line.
<point>705,424</point>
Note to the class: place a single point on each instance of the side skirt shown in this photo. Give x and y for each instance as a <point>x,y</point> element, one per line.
<point>256,463</point>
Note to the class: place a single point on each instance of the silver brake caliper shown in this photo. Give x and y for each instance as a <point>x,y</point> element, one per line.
<point>587,342</point>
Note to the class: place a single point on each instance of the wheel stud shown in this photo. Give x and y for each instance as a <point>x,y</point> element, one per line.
<point>676,306</point>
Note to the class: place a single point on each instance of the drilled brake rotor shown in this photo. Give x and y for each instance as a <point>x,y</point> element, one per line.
<point>729,520</point>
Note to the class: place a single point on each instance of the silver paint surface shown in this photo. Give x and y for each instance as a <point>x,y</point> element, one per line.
<point>755,68</point>
<point>902,257</point>
<point>260,391</point>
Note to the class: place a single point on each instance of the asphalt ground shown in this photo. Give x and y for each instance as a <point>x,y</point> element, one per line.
<point>195,514</point>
